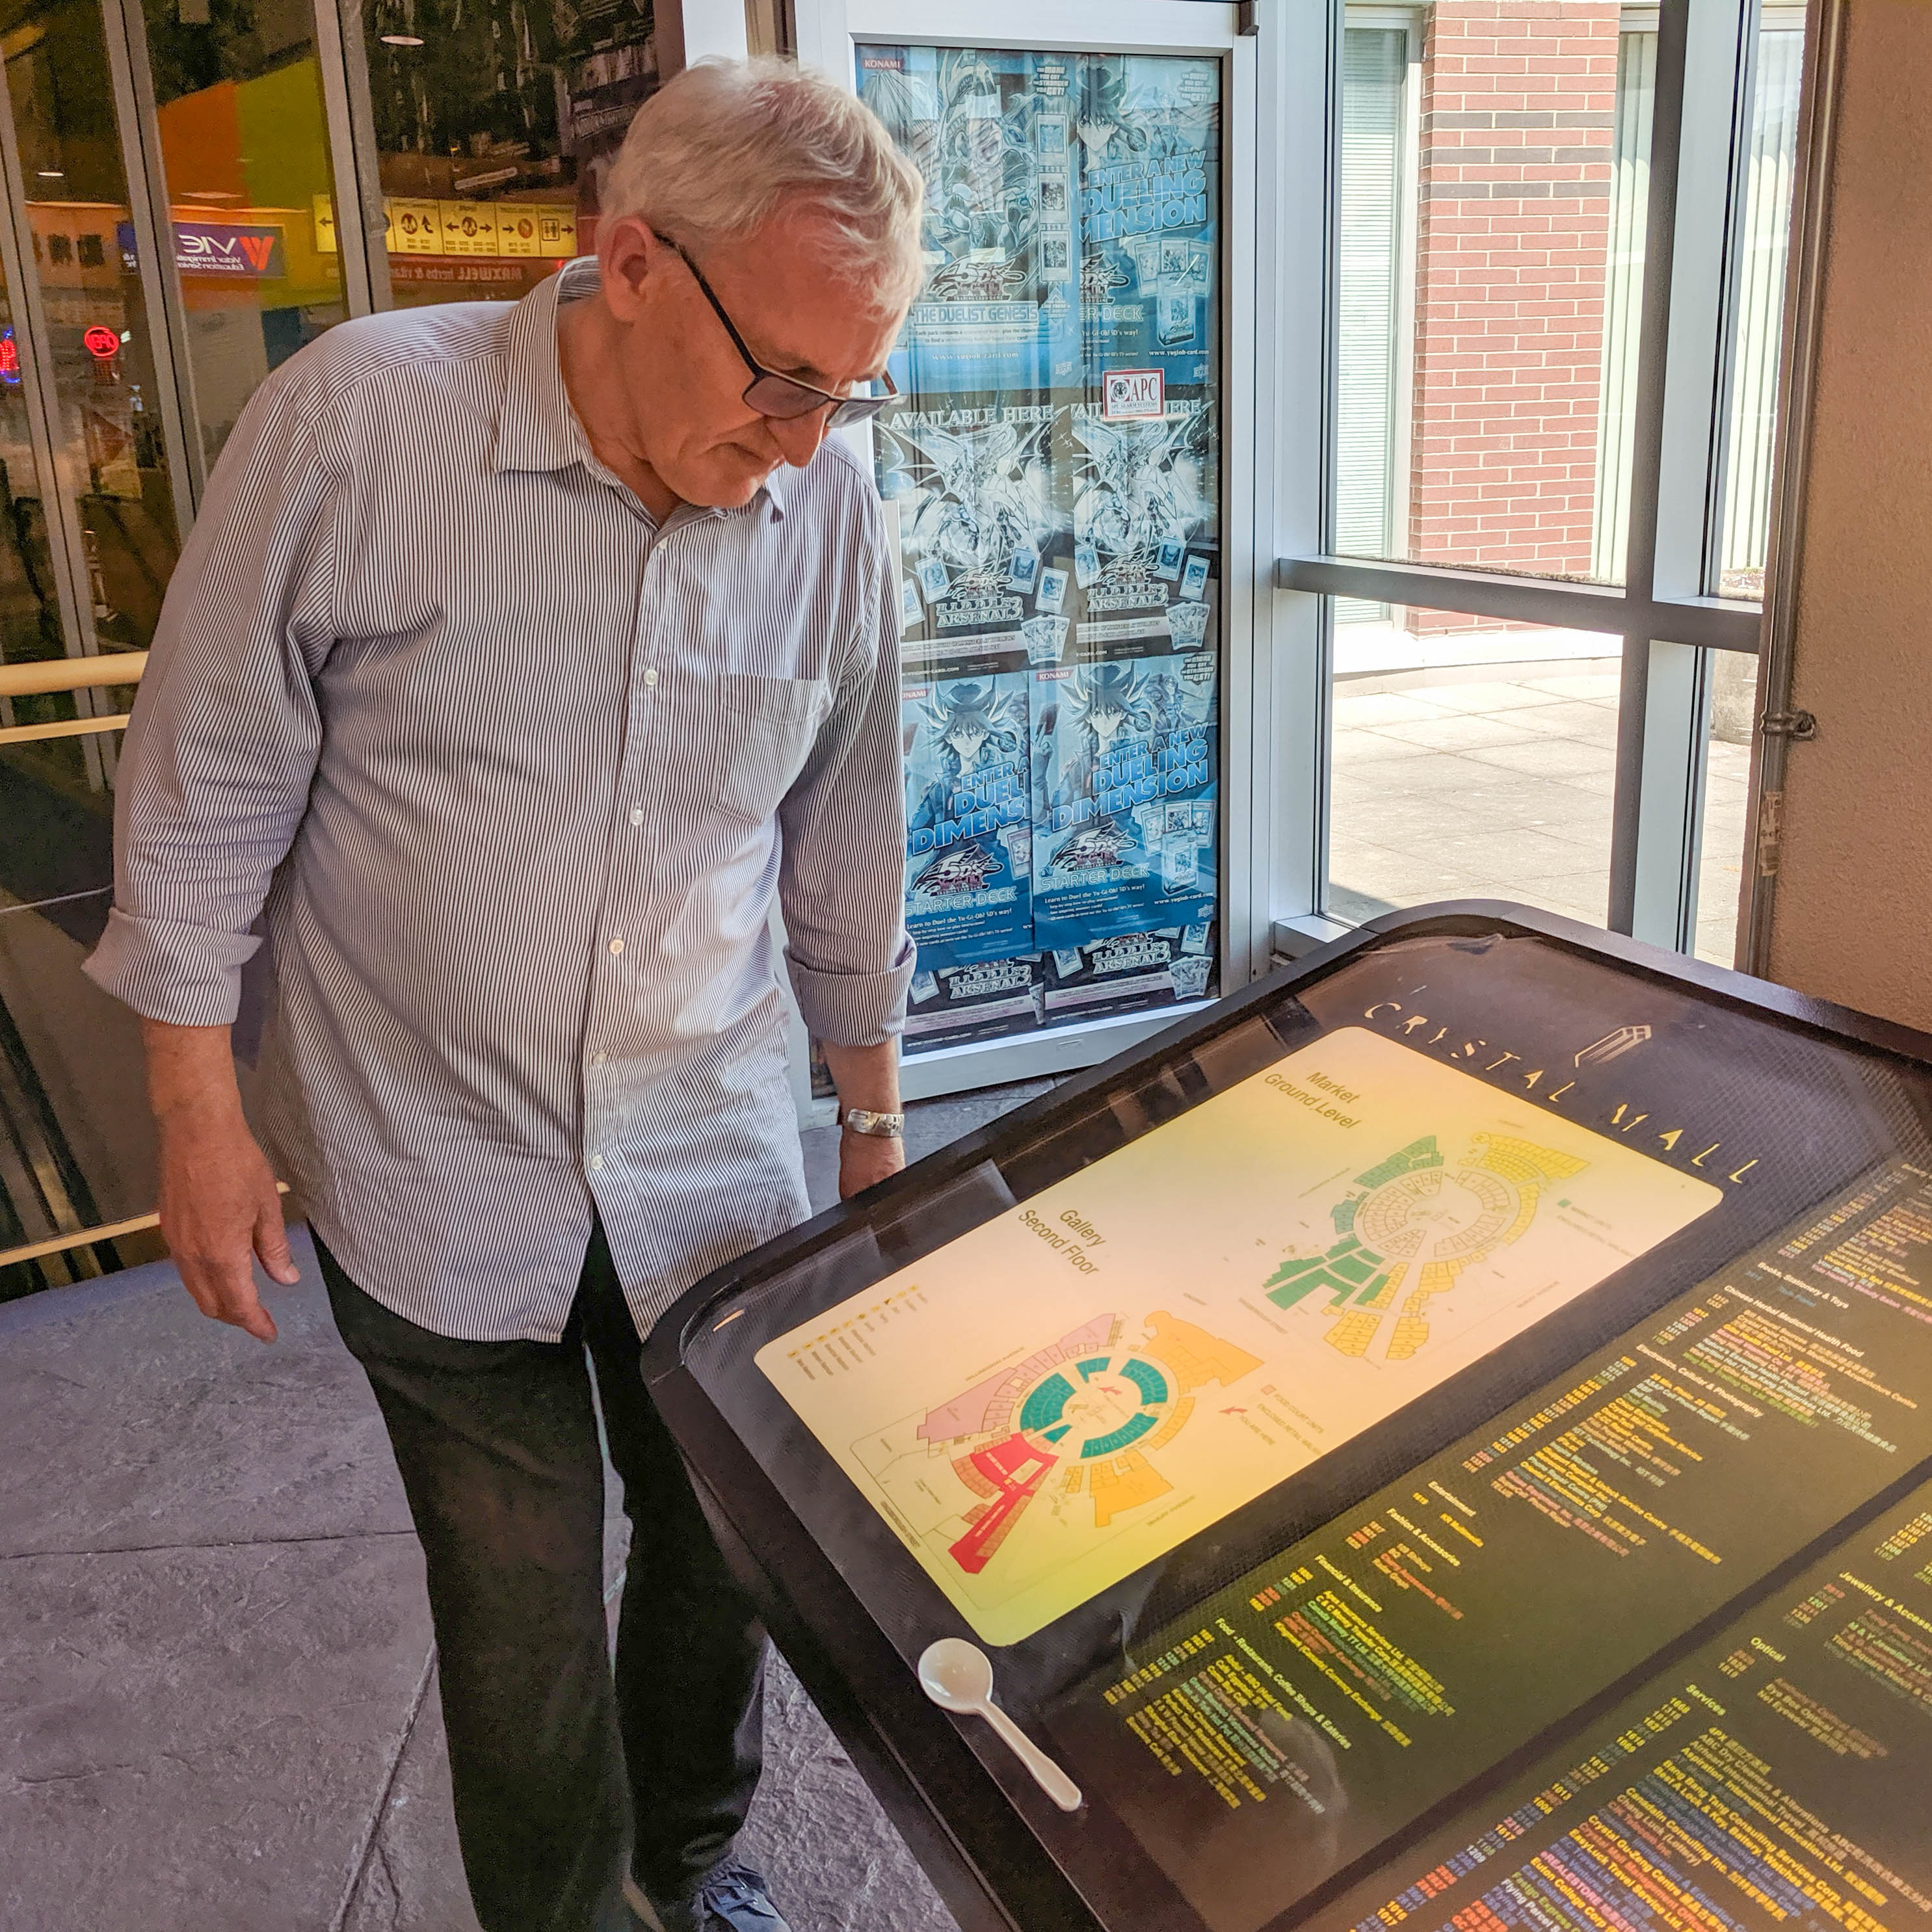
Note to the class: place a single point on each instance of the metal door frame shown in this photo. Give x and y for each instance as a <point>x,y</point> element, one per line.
<point>139,125</point>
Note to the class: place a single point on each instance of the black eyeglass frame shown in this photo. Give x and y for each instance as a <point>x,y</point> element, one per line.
<point>845,409</point>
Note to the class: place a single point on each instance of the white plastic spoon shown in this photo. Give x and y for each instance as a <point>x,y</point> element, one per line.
<point>958,1676</point>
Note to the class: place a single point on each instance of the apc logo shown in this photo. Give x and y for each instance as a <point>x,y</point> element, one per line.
<point>227,248</point>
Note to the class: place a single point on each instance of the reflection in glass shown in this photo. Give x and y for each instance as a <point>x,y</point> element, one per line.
<point>1472,764</point>
<point>30,624</point>
<point>1499,178</point>
<point>245,144</point>
<point>113,463</point>
<point>76,1148</point>
<point>1758,305</point>
<point>494,127</point>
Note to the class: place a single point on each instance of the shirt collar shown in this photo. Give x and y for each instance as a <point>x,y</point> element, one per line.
<point>537,429</point>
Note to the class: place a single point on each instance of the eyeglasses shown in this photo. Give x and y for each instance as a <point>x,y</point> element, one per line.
<point>783,398</point>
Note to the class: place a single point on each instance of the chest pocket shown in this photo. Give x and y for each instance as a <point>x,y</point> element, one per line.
<point>762,732</point>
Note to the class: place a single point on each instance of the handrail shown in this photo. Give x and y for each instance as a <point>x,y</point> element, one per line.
<point>64,727</point>
<point>32,680</point>
<point>86,1238</point>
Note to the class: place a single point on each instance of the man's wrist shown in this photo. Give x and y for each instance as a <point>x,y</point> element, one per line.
<point>873,1122</point>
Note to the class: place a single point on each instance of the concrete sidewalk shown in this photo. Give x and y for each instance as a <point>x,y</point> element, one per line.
<point>218,1705</point>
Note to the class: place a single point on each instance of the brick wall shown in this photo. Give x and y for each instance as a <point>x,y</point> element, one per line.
<point>1518,112</point>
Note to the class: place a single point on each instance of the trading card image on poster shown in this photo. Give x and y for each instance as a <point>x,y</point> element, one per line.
<point>1150,228</point>
<point>1129,972</point>
<point>992,131</point>
<point>1125,758</point>
<point>1144,513</point>
<point>982,518</point>
<point>955,1005</point>
<point>969,817</point>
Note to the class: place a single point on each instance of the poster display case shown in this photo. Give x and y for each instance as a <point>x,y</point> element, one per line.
<point>1056,475</point>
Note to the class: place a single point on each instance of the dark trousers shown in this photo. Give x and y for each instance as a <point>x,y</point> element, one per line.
<point>565,1780</point>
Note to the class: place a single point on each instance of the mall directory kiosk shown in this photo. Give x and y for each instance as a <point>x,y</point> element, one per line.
<point>1444,1438</point>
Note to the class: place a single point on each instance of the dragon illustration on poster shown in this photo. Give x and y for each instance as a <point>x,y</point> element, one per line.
<point>984,491</point>
<point>1135,487</point>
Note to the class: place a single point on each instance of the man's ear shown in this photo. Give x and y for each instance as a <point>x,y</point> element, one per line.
<point>629,255</point>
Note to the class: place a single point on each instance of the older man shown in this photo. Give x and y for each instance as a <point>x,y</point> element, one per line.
<point>520,656</point>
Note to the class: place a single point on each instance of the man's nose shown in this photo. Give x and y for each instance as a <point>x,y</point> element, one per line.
<point>798,437</point>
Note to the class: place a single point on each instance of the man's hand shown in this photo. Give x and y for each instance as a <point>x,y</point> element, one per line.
<point>868,1077</point>
<point>864,1159</point>
<point>219,1206</point>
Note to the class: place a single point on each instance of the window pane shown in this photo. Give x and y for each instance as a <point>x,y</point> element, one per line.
<point>494,127</point>
<point>245,145</point>
<point>1720,869</point>
<point>30,621</point>
<point>1370,434</point>
<point>111,454</point>
<point>1758,304</point>
<point>1489,265</point>
<point>1472,764</point>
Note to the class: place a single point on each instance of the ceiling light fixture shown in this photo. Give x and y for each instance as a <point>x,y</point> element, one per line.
<point>400,39</point>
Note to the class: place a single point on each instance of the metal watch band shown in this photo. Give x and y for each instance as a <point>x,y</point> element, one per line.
<point>880,1126</point>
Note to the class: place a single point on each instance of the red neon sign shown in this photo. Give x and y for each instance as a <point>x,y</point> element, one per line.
<point>102,343</point>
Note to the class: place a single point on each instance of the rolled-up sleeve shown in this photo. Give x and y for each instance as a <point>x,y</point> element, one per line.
<point>842,886</point>
<point>215,773</point>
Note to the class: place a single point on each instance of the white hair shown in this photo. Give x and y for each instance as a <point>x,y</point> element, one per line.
<point>722,147</point>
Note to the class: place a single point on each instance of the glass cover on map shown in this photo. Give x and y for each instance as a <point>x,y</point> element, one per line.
<point>1127,1357</point>
<point>1326,1421</point>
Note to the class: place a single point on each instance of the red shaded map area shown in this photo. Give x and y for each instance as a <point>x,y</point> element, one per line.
<point>1007,1473</point>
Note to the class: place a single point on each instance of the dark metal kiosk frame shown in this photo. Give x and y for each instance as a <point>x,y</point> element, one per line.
<point>968,1829</point>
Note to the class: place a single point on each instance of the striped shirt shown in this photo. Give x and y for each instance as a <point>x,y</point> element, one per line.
<point>510,776</point>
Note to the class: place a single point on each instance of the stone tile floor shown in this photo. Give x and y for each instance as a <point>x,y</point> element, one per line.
<point>217,1705</point>
<point>1495,781</point>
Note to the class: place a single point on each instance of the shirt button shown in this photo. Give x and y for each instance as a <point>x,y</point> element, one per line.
<point>597,1060</point>
<point>651,675</point>
<point>637,814</point>
<point>617,946</point>
<point>596,1163</point>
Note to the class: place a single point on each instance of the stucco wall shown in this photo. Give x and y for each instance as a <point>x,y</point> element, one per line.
<point>1854,909</point>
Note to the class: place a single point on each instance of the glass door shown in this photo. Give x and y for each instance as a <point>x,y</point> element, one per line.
<point>241,159</point>
<point>90,351</point>
<point>1055,473</point>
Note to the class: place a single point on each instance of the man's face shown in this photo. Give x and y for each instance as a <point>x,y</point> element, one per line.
<point>684,376</point>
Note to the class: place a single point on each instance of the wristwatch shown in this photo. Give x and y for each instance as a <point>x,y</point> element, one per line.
<point>878,1126</point>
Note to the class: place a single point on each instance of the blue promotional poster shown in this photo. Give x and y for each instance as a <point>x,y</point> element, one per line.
<point>1143,526</point>
<point>1126,764</point>
<point>980,523</point>
<point>996,136</point>
<point>969,818</point>
<point>1071,219</point>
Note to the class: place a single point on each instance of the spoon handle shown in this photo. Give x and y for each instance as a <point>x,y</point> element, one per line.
<point>1050,1777</point>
